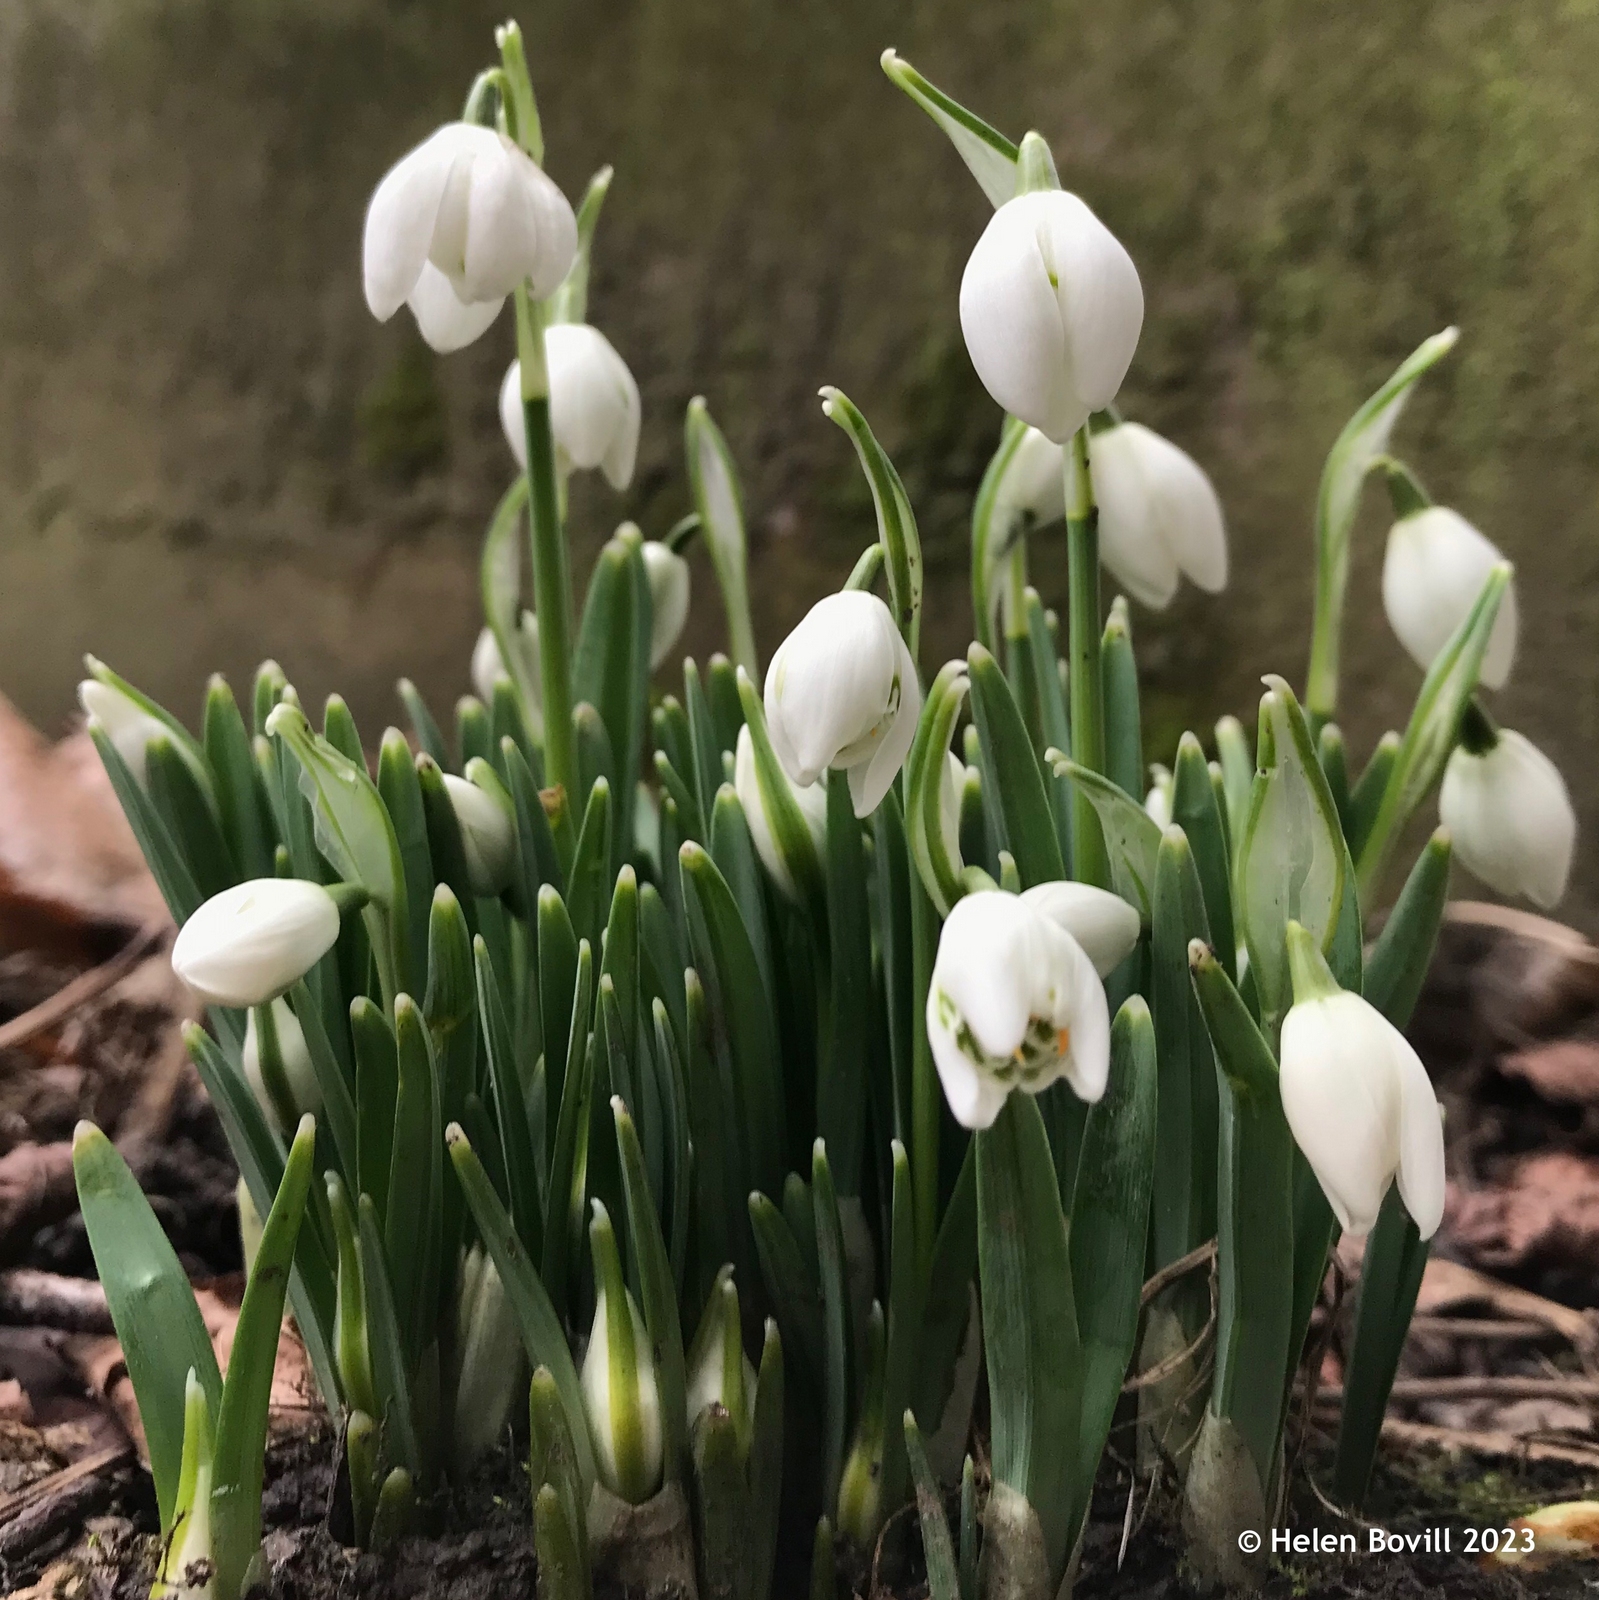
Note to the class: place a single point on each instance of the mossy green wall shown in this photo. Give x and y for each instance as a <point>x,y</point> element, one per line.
<point>209,452</point>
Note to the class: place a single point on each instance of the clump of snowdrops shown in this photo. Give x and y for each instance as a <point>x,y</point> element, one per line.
<point>732,1074</point>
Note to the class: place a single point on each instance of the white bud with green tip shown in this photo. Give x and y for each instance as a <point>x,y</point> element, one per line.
<point>811,798</point>
<point>488,665</point>
<point>595,412</point>
<point>491,1371</point>
<point>297,1091</point>
<point>1435,568</point>
<point>842,692</point>
<point>488,834</point>
<point>187,1568</point>
<point>1357,1099</point>
<point>1051,308</point>
<point>127,724</point>
<point>719,1373</point>
<point>1509,813</point>
<point>618,1378</point>
<point>667,572</point>
<point>468,215</point>
<point>1159,515</point>
<point>1014,1003</point>
<point>250,943</point>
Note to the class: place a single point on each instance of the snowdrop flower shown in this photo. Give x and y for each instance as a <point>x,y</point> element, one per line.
<point>127,724</point>
<point>245,946</point>
<point>951,794</point>
<point>1102,923</point>
<point>1509,814</point>
<point>471,206</point>
<point>719,1373</point>
<point>487,836</point>
<point>618,1381</point>
<point>810,797</point>
<point>1358,1100</point>
<point>594,404</point>
<point>1434,569</point>
<point>1158,514</point>
<point>304,1092</point>
<point>488,665</point>
<point>1015,1002</point>
<point>842,692</point>
<point>668,575</point>
<point>1051,308</point>
<point>1157,803</point>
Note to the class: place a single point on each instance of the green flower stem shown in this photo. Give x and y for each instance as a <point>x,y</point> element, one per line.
<point>926,1093</point>
<point>1091,864</point>
<point>552,581</point>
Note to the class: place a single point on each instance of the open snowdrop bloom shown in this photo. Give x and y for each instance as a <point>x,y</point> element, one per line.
<point>668,575</point>
<point>487,836</point>
<point>1434,569</point>
<point>488,665</point>
<point>479,211</point>
<point>810,797</point>
<point>1103,923</point>
<point>299,1076</point>
<point>1358,1100</point>
<point>1158,515</point>
<point>1509,814</point>
<point>1015,1003</point>
<point>1051,308</point>
<point>594,404</point>
<point>842,692</point>
<point>245,946</point>
<point>128,725</point>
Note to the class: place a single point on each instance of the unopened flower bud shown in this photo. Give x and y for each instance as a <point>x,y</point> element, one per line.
<point>488,836</point>
<point>668,575</point>
<point>245,946</point>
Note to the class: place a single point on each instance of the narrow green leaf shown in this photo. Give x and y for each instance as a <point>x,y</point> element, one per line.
<point>423,724</point>
<point>846,1031</point>
<point>588,889</point>
<point>377,1083</point>
<point>569,1157</point>
<point>1124,739</point>
<point>235,783</point>
<point>1198,812</point>
<point>838,1333</point>
<point>1398,964</point>
<point>938,1549</point>
<point>1018,807</point>
<point>713,480</point>
<point>510,1107</point>
<point>989,156</point>
<point>401,792</point>
<point>410,1211</point>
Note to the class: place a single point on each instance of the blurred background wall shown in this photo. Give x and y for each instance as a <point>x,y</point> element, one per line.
<point>209,452</point>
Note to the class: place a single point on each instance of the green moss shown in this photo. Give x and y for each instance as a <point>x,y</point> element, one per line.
<point>403,429</point>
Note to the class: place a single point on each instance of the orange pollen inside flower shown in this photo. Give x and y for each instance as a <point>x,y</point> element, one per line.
<point>1063,1040</point>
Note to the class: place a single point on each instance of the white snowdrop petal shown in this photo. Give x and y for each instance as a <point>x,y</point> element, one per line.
<point>594,402</point>
<point>1034,482</point>
<point>1434,568</point>
<point>1187,511</point>
<point>399,222</point>
<point>669,579</point>
<point>1101,299</point>
<point>1421,1141</point>
<point>1130,543</point>
<point>870,780</point>
<point>1102,923</point>
<point>487,837</point>
<point>445,321</point>
<point>512,420</point>
<point>984,968</point>
<point>488,665</point>
<point>246,945</point>
<point>1086,1022</point>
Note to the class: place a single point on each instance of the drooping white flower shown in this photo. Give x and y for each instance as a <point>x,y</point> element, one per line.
<point>1015,1003</point>
<point>668,575</point>
<point>1051,308</point>
<point>1361,1108</point>
<point>1510,816</point>
<point>1434,569</point>
<point>1103,923</point>
<point>127,724</point>
<point>488,837</point>
<point>810,797</point>
<point>488,665</point>
<point>478,210</point>
<point>623,1405</point>
<point>594,404</point>
<point>1158,514</point>
<point>248,944</point>
<point>842,692</point>
<point>300,1079</point>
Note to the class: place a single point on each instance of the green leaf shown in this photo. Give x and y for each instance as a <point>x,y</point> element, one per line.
<point>160,850</point>
<point>1398,964</point>
<point>1053,721</point>
<point>713,480</point>
<point>1238,774</point>
<point>152,1306</point>
<point>1366,798</point>
<point>938,1549</point>
<point>423,724</point>
<point>733,851</point>
<point>235,783</point>
<point>239,1454</point>
<point>412,1200</point>
<point>588,887</point>
<point>924,783</point>
<point>989,156</point>
<point>569,303</point>
<point>896,522</point>
<point>790,1285</point>
<point>563,1212</point>
<point>390,1370</point>
<point>542,1334</point>
<point>1030,1320</point>
<point>1364,438</point>
<point>994,530</point>
<point>1132,836</point>
<point>338,1105</point>
<point>1018,807</point>
<point>765,1469</point>
<point>838,1333</point>
<point>744,1036</point>
<point>1255,1238</point>
<point>1109,1224</point>
<point>1124,739</point>
<point>400,789</point>
<point>377,1083</point>
<point>791,834</point>
<point>1197,810</point>
<point>510,1108</point>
